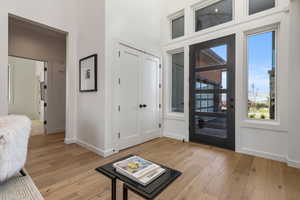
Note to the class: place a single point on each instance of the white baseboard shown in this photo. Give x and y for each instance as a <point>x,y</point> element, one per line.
<point>247,151</point>
<point>55,130</point>
<point>293,163</point>
<point>70,141</point>
<point>175,136</point>
<point>262,154</point>
<point>100,152</point>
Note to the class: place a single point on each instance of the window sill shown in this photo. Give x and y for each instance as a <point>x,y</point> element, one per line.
<point>175,116</point>
<point>275,126</point>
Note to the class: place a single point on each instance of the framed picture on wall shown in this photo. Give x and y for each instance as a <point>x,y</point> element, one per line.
<point>88,74</point>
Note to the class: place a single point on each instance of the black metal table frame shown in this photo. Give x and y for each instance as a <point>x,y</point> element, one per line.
<point>128,186</point>
<point>113,184</point>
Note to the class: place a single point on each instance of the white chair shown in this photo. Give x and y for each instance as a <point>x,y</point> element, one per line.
<point>14,136</point>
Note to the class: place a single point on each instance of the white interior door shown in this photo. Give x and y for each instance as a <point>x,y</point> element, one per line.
<point>138,98</point>
<point>149,80</point>
<point>129,100</point>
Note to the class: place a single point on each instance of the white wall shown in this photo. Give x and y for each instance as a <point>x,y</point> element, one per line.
<point>267,139</point>
<point>294,95</point>
<point>101,25</point>
<point>54,13</point>
<point>92,28</point>
<point>135,23</point>
<point>91,106</point>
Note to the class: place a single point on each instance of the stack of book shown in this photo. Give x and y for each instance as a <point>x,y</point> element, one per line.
<point>139,169</point>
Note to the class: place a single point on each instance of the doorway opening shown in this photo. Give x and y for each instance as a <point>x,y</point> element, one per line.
<point>26,92</point>
<point>212,92</point>
<point>37,75</point>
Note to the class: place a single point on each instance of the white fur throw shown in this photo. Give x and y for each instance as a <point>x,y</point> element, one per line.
<point>14,135</point>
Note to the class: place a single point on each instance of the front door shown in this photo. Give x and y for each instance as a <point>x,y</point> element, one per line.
<point>212,92</point>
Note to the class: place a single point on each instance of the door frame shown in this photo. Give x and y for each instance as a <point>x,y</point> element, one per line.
<point>215,141</point>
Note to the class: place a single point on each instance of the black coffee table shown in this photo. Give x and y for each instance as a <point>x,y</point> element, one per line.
<point>148,192</point>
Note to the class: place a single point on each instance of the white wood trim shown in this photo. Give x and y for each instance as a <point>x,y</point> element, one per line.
<point>168,83</point>
<point>246,7</point>
<point>176,15</point>
<point>175,136</point>
<point>94,149</point>
<point>292,163</point>
<point>276,157</point>
<point>205,3</point>
<point>192,35</point>
<point>171,17</point>
<point>278,124</point>
<point>262,154</point>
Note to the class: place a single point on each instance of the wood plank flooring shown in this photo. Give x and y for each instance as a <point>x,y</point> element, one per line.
<point>66,172</point>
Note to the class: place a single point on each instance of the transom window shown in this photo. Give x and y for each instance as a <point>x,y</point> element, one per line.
<point>178,27</point>
<point>256,6</point>
<point>214,14</point>
<point>262,75</point>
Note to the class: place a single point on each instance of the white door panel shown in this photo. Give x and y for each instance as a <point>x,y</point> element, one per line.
<point>150,95</point>
<point>129,97</point>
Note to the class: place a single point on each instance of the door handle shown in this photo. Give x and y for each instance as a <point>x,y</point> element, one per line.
<point>142,105</point>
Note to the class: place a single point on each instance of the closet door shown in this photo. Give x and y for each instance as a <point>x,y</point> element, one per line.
<point>149,80</point>
<point>129,97</point>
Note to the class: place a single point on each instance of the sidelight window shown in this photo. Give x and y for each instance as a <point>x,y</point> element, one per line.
<point>177,83</point>
<point>262,75</point>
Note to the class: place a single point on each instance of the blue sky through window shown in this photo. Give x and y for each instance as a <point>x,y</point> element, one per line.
<point>260,57</point>
<point>221,51</point>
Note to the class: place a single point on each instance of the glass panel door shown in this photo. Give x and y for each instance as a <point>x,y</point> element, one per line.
<point>212,84</point>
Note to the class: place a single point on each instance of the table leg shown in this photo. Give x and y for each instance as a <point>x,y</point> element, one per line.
<point>114,189</point>
<point>125,192</point>
<point>22,172</point>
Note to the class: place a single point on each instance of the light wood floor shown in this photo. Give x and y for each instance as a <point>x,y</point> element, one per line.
<point>64,172</point>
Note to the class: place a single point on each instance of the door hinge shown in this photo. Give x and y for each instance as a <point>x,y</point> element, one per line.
<point>45,87</point>
<point>45,104</point>
<point>119,135</point>
<point>159,106</point>
<point>159,125</point>
<point>45,122</point>
<point>45,69</point>
<point>119,54</point>
<point>160,85</point>
<point>159,66</point>
<point>119,108</point>
<point>119,81</point>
